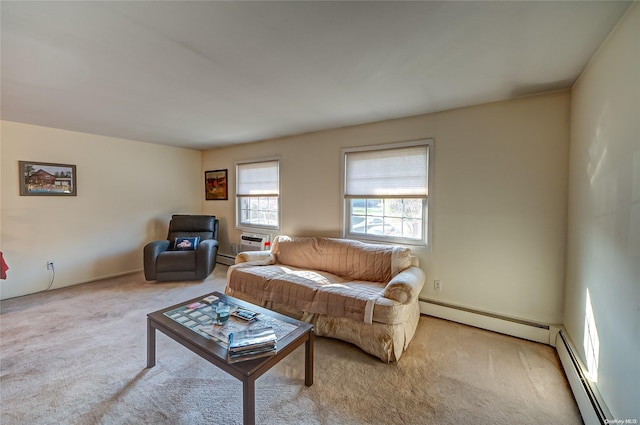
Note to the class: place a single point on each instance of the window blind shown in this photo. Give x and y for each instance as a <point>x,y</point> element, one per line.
<point>258,178</point>
<point>387,172</point>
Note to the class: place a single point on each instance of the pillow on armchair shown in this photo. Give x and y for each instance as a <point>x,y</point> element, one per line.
<point>186,243</point>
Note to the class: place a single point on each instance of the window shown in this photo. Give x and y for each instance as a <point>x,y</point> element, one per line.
<point>385,193</point>
<point>258,194</point>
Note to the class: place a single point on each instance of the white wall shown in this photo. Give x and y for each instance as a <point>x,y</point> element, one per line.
<point>127,192</point>
<point>499,198</point>
<point>604,215</point>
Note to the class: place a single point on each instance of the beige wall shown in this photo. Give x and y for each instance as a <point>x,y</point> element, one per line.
<point>604,215</point>
<point>499,194</point>
<point>498,200</point>
<point>127,192</point>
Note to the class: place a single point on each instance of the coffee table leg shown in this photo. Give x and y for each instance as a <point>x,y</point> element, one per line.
<point>249,402</point>
<point>308,362</point>
<point>151,345</point>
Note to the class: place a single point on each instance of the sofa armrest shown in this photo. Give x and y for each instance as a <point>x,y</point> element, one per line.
<point>405,286</point>
<point>255,257</point>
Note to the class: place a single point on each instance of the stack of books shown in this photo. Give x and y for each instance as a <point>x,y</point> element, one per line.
<point>251,344</point>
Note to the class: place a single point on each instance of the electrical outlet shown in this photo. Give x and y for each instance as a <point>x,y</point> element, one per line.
<point>437,285</point>
<point>50,265</point>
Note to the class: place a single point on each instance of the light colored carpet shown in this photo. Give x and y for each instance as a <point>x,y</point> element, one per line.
<point>77,356</point>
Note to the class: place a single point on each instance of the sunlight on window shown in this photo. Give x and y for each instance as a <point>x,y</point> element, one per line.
<point>591,341</point>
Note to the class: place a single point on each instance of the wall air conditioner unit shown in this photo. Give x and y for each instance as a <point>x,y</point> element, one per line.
<point>253,242</point>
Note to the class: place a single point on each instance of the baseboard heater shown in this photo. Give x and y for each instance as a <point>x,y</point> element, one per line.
<point>590,403</point>
<point>226,259</point>
<point>521,328</point>
<point>486,313</point>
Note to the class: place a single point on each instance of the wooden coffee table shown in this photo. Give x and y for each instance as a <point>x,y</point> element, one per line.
<point>246,371</point>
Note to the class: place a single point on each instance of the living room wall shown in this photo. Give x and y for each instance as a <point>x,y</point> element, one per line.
<point>603,268</point>
<point>127,191</point>
<point>498,198</point>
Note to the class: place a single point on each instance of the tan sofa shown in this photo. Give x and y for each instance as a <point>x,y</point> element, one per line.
<point>361,293</point>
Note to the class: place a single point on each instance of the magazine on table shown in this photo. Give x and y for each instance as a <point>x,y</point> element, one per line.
<point>250,355</point>
<point>252,339</point>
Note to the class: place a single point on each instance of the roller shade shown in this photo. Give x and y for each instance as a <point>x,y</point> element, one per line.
<point>258,178</point>
<point>387,172</point>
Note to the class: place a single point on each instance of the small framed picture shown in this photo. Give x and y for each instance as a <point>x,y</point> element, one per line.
<point>215,185</point>
<point>47,179</point>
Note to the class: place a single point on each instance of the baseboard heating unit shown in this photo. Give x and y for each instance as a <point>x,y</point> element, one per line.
<point>590,403</point>
<point>226,259</point>
<point>521,328</point>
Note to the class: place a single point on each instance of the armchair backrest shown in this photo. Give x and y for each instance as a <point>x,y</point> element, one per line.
<point>205,226</point>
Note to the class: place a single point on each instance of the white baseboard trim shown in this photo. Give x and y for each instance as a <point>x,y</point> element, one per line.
<point>532,331</point>
<point>107,276</point>
<point>592,407</point>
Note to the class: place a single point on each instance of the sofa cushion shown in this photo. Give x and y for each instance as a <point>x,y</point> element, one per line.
<point>352,260</point>
<point>314,292</point>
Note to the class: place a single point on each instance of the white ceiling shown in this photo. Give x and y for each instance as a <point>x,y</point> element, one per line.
<point>203,74</point>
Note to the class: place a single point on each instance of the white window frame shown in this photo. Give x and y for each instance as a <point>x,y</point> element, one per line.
<point>425,241</point>
<point>239,196</point>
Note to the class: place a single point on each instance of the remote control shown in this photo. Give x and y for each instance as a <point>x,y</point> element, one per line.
<point>245,314</point>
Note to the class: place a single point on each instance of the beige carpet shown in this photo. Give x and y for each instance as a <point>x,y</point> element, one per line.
<point>77,356</point>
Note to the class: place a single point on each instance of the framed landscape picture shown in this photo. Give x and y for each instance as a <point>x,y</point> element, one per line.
<point>47,179</point>
<point>215,185</point>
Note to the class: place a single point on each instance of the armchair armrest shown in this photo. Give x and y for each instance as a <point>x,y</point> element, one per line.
<point>151,252</point>
<point>206,258</point>
<point>405,286</point>
<point>205,250</point>
<point>256,257</point>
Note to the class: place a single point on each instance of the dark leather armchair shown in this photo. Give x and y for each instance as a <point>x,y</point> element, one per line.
<point>163,261</point>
